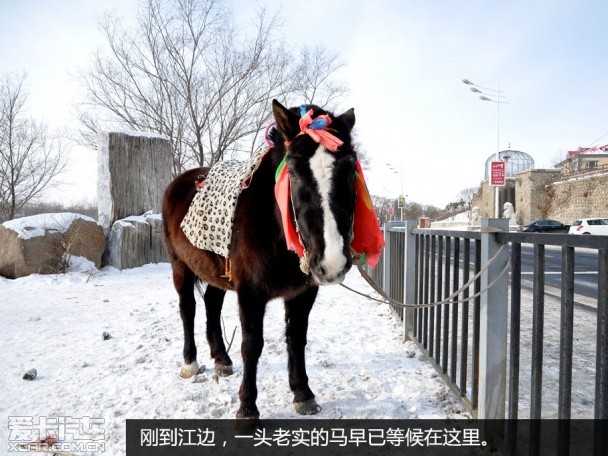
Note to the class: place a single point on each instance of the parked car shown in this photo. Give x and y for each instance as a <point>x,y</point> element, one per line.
<point>590,226</point>
<point>544,226</point>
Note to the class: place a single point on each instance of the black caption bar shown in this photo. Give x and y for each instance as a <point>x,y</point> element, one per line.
<point>364,437</point>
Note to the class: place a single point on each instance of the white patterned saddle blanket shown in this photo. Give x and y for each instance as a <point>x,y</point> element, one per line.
<point>208,223</point>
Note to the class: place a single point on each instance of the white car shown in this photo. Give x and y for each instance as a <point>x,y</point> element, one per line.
<point>590,226</point>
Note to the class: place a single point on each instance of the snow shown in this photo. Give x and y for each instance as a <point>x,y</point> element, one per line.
<point>38,225</point>
<point>139,134</point>
<point>81,264</point>
<point>152,215</point>
<point>456,221</point>
<point>460,217</point>
<point>141,218</point>
<point>358,364</point>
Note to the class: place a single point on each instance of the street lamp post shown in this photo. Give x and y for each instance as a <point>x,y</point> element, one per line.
<point>494,96</point>
<point>400,197</point>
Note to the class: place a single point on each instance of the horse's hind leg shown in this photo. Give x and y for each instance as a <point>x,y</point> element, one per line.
<point>214,300</point>
<point>183,280</point>
<point>296,327</point>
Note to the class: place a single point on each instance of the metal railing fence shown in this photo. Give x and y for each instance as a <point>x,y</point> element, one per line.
<point>476,344</point>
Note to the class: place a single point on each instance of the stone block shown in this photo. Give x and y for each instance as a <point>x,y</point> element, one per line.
<point>134,168</point>
<point>135,241</point>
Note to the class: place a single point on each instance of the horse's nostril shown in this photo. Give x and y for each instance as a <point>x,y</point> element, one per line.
<point>322,270</point>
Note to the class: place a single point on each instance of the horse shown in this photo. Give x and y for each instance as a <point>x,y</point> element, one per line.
<point>262,265</point>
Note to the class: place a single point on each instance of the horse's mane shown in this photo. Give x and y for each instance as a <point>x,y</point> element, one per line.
<point>277,139</point>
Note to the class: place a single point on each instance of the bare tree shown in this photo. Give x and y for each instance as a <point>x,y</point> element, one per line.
<point>466,195</point>
<point>558,157</point>
<point>30,160</point>
<point>381,205</point>
<point>188,72</point>
<point>313,77</point>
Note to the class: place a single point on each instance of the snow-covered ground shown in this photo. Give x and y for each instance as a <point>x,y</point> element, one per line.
<point>358,364</point>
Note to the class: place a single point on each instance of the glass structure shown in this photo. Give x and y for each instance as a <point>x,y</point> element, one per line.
<point>516,160</point>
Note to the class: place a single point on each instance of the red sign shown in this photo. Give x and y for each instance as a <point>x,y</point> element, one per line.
<point>497,176</point>
<point>391,211</point>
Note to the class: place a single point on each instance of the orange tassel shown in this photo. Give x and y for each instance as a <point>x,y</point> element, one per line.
<point>228,269</point>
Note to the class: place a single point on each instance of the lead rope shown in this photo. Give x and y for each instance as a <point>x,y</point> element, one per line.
<point>448,300</point>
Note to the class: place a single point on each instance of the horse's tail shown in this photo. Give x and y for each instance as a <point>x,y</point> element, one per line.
<point>200,286</point>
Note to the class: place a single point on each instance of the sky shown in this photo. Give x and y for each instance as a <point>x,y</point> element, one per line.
<point>427,135</point>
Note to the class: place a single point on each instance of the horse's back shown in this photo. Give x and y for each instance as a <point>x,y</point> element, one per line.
<point>177,199</point>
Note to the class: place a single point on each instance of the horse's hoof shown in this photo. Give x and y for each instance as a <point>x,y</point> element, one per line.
<point>189,370</point>
<point>223,370</point>
<point>309,407</point>
<point>248,414</point>
<point>247,427</point>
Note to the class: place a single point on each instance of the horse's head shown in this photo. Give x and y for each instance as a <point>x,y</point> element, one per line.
<point>321,165</point>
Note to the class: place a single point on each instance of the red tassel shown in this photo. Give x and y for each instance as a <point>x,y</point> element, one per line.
<point>282,195</point>
<point>368,238</point>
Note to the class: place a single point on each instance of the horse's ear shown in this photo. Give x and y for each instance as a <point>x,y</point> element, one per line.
<point>348,118</point>
<point>287,121</point>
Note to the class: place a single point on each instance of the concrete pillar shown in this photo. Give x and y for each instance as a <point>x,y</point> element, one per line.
<point>409,278</point>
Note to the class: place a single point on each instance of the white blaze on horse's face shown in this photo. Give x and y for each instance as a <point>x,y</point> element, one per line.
<point>333,261</point>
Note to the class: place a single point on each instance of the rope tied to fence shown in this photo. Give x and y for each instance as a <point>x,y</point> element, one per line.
<point>447,300</point>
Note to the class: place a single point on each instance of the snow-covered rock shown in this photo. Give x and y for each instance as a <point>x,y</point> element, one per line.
<point>43,244</point>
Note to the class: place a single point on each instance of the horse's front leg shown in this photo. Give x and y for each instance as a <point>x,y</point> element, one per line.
<point>251,311</point>
<point>296,327</point>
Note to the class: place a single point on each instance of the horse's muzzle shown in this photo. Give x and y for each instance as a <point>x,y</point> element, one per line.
<point>324,280</point>
<point>327,276</point>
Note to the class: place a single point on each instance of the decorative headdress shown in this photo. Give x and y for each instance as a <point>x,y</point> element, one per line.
<point>317,129</point>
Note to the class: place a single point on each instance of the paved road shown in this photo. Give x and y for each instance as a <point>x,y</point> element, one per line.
<point>585,268</point>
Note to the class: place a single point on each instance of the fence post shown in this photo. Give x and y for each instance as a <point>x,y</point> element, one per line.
<point>493,325</point>
<point>386,267</point>
<point>409,277</point>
